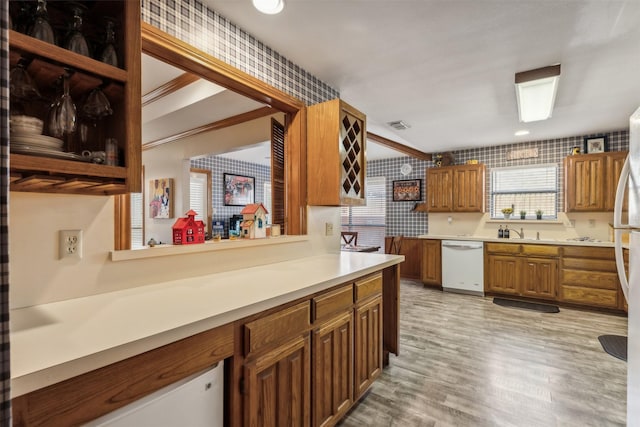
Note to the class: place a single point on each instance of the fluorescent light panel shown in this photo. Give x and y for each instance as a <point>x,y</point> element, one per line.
<point>536,92</point>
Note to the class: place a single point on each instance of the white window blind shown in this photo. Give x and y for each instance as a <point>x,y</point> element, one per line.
<point>198,196</point>
<point>525,188</point>
<point>267,200</point>
<point>137,212</point>
<point>369,220</point>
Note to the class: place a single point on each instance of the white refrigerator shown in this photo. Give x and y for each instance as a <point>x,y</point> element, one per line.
<point>630,179</point>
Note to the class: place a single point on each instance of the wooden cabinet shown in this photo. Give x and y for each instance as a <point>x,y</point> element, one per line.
<point>368,333</point>
<point>336,138</point>
<point>523,270</point>
<point>588,276</point>
<point>591,181</point>
<point>456,188</point>
<point>277,370</point>
<point>422,260</point>
<point>431,262</point>
<point>46,64</point>
<point>332,356</point>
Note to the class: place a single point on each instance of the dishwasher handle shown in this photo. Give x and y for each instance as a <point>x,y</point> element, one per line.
<point>464,245</point>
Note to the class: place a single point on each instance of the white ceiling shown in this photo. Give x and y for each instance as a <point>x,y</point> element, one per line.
<point>446,67</point>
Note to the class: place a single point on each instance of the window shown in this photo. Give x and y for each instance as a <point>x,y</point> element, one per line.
<point>525,188</point>
<point>200,195</point>
<point>137,221</point>
<point>266,196</point>
<point>369,221</point>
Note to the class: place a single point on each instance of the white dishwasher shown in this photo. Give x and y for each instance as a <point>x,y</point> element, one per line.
<point>463,266</point>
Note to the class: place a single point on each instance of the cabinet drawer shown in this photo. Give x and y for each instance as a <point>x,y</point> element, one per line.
<point>590,279</point>
<point>589,264</point>
<point>541,250</point>
<point>588,252</point>
<point>503,248</point>
<point>370,286</point>
<point>276,328</point>
<point>332,302</point>
<point>595,297</point>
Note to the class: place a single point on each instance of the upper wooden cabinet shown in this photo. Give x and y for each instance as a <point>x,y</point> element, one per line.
<point>46,63</point>
<point>336,137</point>
<point>456,188</point>
<point>591,181</point>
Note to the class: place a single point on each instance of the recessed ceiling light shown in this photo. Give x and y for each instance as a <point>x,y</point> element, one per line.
<point>270,7</point>
<point>522,132</point>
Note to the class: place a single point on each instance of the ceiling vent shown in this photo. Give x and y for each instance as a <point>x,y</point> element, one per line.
<point>399,125</point>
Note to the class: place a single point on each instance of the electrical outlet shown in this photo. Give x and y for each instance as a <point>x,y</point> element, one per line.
<point>328,229</point>
<point>70,244</point>
<point>592,223</point>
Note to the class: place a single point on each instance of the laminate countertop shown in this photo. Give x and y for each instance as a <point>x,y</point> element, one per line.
<point>557,242</point>
<point>56,341</point>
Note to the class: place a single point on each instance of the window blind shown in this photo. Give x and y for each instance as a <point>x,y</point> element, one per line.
<point>198,195</point>
<point>525,188</point>
<point>137,223</point>
<point>369,220</point>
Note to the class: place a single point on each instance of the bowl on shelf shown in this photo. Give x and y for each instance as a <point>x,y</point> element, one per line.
<point>26,125</point>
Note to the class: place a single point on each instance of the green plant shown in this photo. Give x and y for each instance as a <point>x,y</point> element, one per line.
<point>507,211</point>
<point>539,212</point>
<point>523,213</point>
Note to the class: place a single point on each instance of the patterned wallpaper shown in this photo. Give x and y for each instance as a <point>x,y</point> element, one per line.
<point>219,166</point>
<point>196,24</point>
<point>400,219</point>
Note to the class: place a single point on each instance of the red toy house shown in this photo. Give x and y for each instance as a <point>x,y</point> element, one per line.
<point>188,230</point>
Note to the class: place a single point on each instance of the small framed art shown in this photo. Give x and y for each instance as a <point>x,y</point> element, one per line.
<point>596,144</point>
<point>407,190</point>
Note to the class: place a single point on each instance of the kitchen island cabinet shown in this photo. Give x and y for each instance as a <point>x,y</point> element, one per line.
<point>423,260</point>
<point>258,320</point>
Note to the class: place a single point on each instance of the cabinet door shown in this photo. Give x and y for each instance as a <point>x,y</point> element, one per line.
<point>539,277</point>
<point>368,344</point>
<point>277,386</point>
<point>332,370</point>
<point>615,161</point>
<point>439,190</point>
<point>503,274</point>
<point>411,268</point>
<point>468,191</point>
<point>431,263</point>
<point>584,177</point>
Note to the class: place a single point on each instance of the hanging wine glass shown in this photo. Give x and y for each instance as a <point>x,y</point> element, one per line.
<point>108,54</point>
<point>63,117</point>
<point>41,28</point>
<point>75,40</point>
<point>96,105</point>
<point>21,84</point>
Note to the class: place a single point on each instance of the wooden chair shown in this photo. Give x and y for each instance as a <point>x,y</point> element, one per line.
<point>395,245</point>
<point>350,238</point>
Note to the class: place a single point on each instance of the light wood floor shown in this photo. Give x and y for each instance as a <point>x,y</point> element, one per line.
<point>468,362</point>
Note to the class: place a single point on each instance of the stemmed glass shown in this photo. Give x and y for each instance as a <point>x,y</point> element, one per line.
<point>95,107</point>
<point>108,54</point>
<point>63,116</point>
<point>21,84</point>
<point>41,28</point>
<point>76,41</point>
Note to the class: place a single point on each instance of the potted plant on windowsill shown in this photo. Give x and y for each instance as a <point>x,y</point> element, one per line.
<point>523,214</point>
<point>538,214</point>
<point>507,212</point>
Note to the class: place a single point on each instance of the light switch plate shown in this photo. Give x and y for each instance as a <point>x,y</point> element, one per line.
<point>328,229</point>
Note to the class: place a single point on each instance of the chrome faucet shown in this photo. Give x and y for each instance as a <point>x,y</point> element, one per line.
<point>519,233</point>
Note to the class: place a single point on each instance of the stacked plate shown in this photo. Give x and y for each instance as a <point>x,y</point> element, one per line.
<point>27,138</point>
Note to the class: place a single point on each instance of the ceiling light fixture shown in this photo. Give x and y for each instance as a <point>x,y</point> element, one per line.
<point>270,7</point>
<point>536,92</point>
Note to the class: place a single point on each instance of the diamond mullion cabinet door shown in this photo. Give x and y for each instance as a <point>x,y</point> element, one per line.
<point>336,138</point>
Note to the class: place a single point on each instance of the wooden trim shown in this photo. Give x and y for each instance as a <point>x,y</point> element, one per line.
<point>168,88</point>
<point>538,73</point>
<point>399,147</point>
<point>220,124</point>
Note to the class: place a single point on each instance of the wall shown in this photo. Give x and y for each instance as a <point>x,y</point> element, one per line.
<point>400,219</point>
<point>38,276</point>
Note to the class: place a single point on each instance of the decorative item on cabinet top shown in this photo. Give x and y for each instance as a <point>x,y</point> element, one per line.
<point>443,159</point>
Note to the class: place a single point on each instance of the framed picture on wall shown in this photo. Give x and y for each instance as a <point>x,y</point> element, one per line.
<point>597,144</point>
<point>238,190</point>
<point>161,196</point>
<point>407,190</point>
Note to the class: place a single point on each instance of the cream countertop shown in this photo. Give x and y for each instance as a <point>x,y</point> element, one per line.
<point>516,239</point>
<point>56,341</point>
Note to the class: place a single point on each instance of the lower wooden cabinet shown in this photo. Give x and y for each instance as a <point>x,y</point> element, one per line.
<point>431,262</point>
<point>368,335</point>
<point>422,260</point>
<point>523,270</point>
<point>278,386</point>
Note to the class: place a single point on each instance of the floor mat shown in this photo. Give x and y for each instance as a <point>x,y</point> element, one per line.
<point>544,308</point>
<point>615,345</point>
